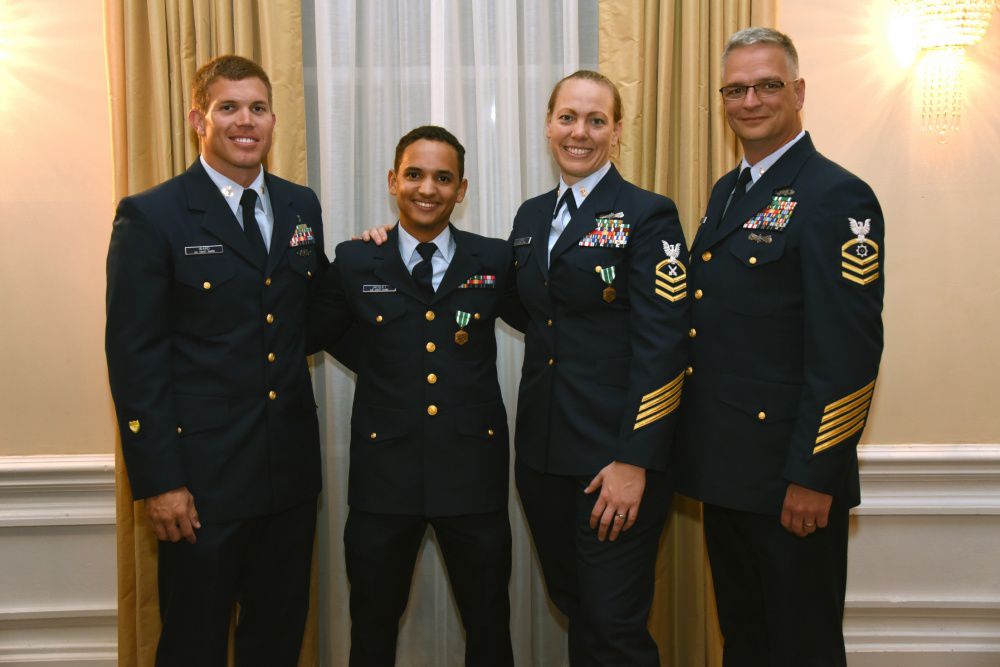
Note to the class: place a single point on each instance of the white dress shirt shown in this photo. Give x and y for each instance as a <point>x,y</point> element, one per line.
<point>233,192</point>
<point>439,260</point>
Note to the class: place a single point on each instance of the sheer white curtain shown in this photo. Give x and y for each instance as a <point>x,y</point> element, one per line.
<point>483,69</point>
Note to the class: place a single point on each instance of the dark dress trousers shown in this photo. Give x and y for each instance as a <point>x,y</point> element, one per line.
<point>789,288</point>
<point>601,382</point>
<point>207,365</point>
<point>429,441</point>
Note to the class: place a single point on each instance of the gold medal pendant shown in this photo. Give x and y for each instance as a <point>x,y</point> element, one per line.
<point>461,336</point>
<point>609,294</point>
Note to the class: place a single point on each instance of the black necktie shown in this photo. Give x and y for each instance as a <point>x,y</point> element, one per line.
<point>250,227</point>
<point>740,190</point>
<point>570,200</point>
<point>423,272</point>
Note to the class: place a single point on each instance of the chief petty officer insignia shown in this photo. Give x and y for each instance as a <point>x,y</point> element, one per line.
<point>610,231</point>
<point>859,257</point>
<point>775,215</point>
<point>671,276</point>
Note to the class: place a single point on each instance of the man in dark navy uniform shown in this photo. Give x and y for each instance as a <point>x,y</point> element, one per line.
<point>787,277</point>
<point>209,274</point>
<point>429,440</point>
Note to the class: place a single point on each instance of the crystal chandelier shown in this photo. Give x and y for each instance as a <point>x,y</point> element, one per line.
<point>945,28</point>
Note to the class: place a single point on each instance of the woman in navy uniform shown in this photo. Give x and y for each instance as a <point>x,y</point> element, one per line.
<point>600,270</point>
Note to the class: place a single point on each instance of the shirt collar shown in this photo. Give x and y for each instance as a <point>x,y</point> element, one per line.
<point>444,241</point>
<point>757,170</point>
<point>229,188</point>
<point>584,186</point>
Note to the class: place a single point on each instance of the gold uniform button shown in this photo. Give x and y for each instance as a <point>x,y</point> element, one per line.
<point>476,316</point>
<point>762,415</point>
<point>698,294</point>
<point>489,432</point>
<point>692,332</point>
<point>431,378</point>
<point>552,362</point>
<point>179,430</point>
<point>706,256</point>
<point>597,269</point>
<point>430,347</point>
<point>515,263</point>
<point>432,410</point>
<point>752,260</point>
<point>548,322</point>
<point>269,319</point>
<point>271,357</point>
<point>429,315</point>
<point>207,285</point>
<point>272,394</point>
<point>372,435</point>
<point>309,274</point>
<point>689,370</point>
<point>267,282</point>
<point>378,318</point>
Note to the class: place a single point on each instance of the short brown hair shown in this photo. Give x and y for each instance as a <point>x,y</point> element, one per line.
<point>430,133</point>
<point>231,67</point>
<point>597,77</point>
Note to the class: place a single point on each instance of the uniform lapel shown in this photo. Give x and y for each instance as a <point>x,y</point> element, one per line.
<point>601,200</point>
<point>285,220</point>
<point>218,219</point>
<point>389,266</point>
<point>464,264</point>
<point>541,228</point>
<point>717,201</point>
<point>780,175</point>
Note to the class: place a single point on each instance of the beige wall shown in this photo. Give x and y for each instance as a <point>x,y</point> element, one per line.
<point>940,379</point>
<point>55,214</point>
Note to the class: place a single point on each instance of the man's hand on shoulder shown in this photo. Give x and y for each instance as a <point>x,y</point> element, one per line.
<point>805,510</point>
<point>172,515</point>
<point>377,234</point>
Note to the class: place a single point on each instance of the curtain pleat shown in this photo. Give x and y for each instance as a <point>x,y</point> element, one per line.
<point>665,56</point>
<point>154,48</point>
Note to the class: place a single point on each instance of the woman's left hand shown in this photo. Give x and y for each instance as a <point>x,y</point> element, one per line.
<point>617,506</point>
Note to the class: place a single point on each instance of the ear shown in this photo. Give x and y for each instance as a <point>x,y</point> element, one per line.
<point>461,190</point>
<point>548,121</point>
<point>800,94</point>
<point>391,178</point>
<point>196,120</point>
<point>616,137</point>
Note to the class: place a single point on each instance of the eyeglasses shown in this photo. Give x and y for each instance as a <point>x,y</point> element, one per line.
<point>762,89</point>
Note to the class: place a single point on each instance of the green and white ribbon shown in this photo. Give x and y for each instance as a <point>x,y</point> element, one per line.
<point>462,318</point>
<point>608,275</point>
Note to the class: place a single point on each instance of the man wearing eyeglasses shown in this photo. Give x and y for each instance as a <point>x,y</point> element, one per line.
<point>787,278</point>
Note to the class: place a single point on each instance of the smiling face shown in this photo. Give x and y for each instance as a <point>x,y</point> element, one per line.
<point>235,128</point>
<point>581,129</point>
<point>763,124</point>
<point>427,186</point>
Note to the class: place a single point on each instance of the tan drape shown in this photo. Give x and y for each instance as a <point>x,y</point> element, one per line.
<point>665,56</point>
<point>154,48</point>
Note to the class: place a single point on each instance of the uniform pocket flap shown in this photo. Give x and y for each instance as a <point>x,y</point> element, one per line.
<point>204,272</point>
<point>487,421</point>
<point>767,401</point>
<point>758,247</point>
<point>200,413</point>
<point>377,424</point>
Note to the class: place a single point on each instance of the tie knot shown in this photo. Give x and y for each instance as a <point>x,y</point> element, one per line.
<point>249,199</point>
<point>426,251</point>
<point>569,199</point>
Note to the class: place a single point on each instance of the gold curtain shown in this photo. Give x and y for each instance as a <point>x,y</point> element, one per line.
<point>154,48</point>
<point>665,56</point>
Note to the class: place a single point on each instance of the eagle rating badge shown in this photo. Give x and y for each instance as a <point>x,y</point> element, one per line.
<point>671,276</point>
<point>859,261</point>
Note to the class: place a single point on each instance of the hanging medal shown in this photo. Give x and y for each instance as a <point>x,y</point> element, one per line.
<point>608,276</point>
<point>462,320</point>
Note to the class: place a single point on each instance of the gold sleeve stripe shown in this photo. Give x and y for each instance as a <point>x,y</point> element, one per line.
<point>847,416</point>
<point>849,426</point>
<point>839,439</point>
<point>663,398</point>
<point>861,281</point>
<point>647,408</point>
<point>665,388</point>
<point>858,269</point>
<point>864,399</point>
<point>850,397</point>
<point>658,414</point>
<point>672,297</point>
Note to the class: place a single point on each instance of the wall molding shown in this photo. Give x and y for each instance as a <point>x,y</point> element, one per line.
<point>915,625</point>
<point>929,480</point>
<point>55,490</point>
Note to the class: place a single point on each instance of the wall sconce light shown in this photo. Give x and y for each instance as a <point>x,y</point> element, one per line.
<point>944,29</point>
